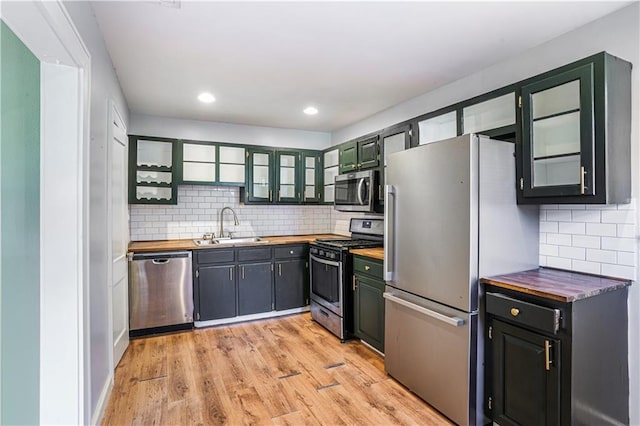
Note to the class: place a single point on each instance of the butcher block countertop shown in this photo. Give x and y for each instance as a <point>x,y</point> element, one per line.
<point>556,284</point>
<point>374,253</point>
<point>171,245</point>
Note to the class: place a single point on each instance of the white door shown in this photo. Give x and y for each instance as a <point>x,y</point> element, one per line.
<point>119,235</point>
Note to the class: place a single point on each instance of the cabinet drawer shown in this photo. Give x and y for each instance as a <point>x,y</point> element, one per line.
<point>251,254</point>
<point>288,252</point>
<point>368,266</point>
<point>214,256</point>
<point>528,314</point>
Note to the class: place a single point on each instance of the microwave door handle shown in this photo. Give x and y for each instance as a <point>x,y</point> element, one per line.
<point>360,186</point>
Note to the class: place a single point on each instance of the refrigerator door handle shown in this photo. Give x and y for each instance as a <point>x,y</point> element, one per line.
<point>454,321</point>
<point>389,227</point>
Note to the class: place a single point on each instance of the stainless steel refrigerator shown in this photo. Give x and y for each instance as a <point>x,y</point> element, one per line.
<point>451,217</point>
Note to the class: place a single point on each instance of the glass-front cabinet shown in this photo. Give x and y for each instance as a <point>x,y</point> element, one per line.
<point>232,165</point>
<point>395,139</point>
<point>288,176</point>
<point>311,177</point>
<point>199,163</point>
<point>436,128</point>
<point>490,115</point>
<point>330,171</point>
<point>152,168</point>
<point>576,133</point>
<point>558,133</point>
<point>260,177</point>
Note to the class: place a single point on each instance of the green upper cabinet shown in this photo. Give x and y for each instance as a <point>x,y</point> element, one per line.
<point>231,165</point>
<point>260,182</point>
<point>348,157</point>
<point>359,154</point>
<point>576,134</point>
<point>152,169</point>
<point>288,179</point>
<point>311,169</point>
<point>492,117</point>
<point>330,169</point>
<point>286,176</point>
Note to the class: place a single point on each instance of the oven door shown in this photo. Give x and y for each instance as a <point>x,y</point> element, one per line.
<point>326,283</point>
<point>355,191</point>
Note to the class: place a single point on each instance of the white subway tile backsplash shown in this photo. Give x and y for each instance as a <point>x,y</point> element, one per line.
<point>571,227</point>
<point>572,252</point>
<point>598,239</point>
<point>626,231</point>
<point>558,262</point>
<point>585,216</point>
<point>586,241</point>
<point>548,226</point>
<point>585,266</point>
<point>602,256</point>
<point>559,215</point>
<point>618,216</point>
<point>620,271</point>
<point>626,258</point>
<point>619,244</point>
<point>603,229</point>
<point>548,250</point>
<point>559,239</point>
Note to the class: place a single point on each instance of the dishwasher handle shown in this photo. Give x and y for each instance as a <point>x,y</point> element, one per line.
<point>161,261</point>
<point>160,257</point>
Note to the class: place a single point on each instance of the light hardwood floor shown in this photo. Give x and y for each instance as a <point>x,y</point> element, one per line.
<point>283,371</point>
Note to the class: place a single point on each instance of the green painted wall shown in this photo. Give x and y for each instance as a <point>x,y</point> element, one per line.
<point>19,230</point>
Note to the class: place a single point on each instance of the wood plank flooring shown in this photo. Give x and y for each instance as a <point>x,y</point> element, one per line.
<point>283,371</point>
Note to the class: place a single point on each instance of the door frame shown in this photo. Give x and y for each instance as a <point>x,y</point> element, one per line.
<point>47,30</point>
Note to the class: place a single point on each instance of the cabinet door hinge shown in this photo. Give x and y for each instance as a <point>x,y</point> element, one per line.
<point>272,267</point>
<point>490,332</point>
<point>490,403</point>
<point>519,101</point>
<point>197,273</point>
<point>273,306</point>
<point>198,316</point>
<point>410,132</point>
<point>521,184</point>
<point>306,265</point>
<point>247,153</point>
<point>307,302</point>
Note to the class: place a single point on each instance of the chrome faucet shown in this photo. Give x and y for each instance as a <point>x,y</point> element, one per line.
<point>235,221</point>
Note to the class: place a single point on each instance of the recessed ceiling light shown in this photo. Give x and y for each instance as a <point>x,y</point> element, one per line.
<point>310,110</point>
<point>206,97</point>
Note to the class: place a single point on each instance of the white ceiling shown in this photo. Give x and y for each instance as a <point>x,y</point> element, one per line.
<point>266,61</point>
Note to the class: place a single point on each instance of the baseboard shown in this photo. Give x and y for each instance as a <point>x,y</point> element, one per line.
<point>98,413</point>
<point>242,318</point>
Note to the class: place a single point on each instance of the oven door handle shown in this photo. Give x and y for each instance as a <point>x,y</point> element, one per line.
<point>359,191</point>
<point>326,262</point>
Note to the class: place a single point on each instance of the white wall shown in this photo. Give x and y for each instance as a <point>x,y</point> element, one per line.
<point>565,231</point>
<point>104,87</point>
<point>225,132</point>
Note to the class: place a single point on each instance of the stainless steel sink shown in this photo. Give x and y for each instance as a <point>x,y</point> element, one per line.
<point>230,241</point>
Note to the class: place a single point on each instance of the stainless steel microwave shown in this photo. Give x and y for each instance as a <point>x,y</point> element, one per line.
<point>357,192</point>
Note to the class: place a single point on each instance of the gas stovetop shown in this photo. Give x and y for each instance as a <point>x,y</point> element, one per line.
<point>347,243</point>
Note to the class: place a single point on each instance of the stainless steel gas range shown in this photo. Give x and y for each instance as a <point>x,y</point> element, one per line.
<point>331,268</point>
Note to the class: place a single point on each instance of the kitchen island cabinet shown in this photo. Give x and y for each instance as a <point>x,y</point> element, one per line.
<point>556,350</point>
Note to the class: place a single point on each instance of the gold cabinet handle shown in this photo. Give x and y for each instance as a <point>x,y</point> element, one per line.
<point>231,274</point>
<point>354,283</point>
<point>280,269</point>
<point>270,195</point>
<point>243,272</point>
<point>582,173</point>
<point>367,267</point>
<point>547,355</point>
<point>515,311</point>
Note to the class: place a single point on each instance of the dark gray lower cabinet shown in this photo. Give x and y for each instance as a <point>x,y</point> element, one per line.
<point>368,303</point>
<point>255,285</point>
<point>236,281</point>
<point>216,292</point>
<point>292,284</point>
<point>526,376</point>
<point>369,311</point>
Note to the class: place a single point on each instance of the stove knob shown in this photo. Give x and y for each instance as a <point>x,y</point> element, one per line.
<point>332,255</point>
<point>314,250</point>
<point>321,252</point>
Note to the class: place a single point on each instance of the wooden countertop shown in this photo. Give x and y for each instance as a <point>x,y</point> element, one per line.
<point>375,252</point>
<point>171,245</point>
<point>556,284</point>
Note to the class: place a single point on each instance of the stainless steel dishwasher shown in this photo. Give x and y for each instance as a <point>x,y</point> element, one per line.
<point>160,291</point>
